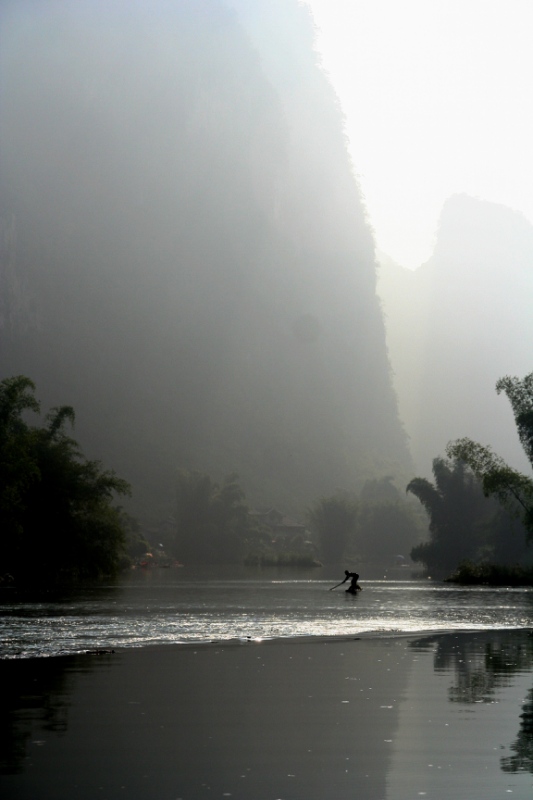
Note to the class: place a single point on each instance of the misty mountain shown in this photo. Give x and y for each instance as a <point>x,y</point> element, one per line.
<point>185,254</point>
<point>457,324</point>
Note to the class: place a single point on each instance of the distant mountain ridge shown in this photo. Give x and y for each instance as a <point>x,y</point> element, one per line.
<point>457,324</point>
<point>186,256</point>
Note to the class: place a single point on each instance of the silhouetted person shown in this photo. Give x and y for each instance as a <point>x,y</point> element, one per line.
<point>354,587</point>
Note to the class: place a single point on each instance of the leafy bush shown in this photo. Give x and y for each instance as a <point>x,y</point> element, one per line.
<point>333,519</point>
<point>492,575</point>
<point>56,512</point>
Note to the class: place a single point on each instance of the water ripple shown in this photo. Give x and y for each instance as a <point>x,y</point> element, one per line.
<point>160,609</point>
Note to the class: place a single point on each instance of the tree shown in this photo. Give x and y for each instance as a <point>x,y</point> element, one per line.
<point>520,394</point>
<point>386,524</point>
<point>18,467</point>
<point>385,530</point>
<point>333,518</point>
<point>458,513</point>
<point>379,490</point>
<point>136,545</point>
<point>56,511</point>
<point>212,520</point>
<point>510,487</point>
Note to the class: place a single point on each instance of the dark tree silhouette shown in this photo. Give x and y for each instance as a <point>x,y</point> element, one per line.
<point>212,520</point>
<point>333,519</point>
<point>56,512</point>
<point>457,510</point>
<point>513,489</point>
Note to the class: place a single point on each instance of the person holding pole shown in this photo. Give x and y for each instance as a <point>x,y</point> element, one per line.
<point>354,587</point>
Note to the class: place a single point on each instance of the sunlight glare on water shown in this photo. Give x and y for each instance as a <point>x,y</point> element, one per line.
<point>171,606</point>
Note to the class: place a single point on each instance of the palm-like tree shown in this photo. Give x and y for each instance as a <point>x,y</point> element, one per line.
<point>458,512</point>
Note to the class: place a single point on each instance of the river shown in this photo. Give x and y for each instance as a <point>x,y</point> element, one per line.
<point>186,605</point>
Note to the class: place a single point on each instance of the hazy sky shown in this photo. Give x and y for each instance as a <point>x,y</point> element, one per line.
<point>438,100</point>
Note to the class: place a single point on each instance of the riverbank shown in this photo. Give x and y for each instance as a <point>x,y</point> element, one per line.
<point>375,716</point>
<point>468,574</point>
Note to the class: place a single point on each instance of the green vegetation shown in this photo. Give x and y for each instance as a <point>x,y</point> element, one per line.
<point>510,487</point>
<point>385,531</point>
<point>136,544</point>
<point>213,524</point>
<point>468,573</point>
<point>464,524</point>
<point>56,514</point>
<point>333,520</point>
<point>60,524</point>
<point>475,502</point>
<point>271,558</point>
<point>456,507</point>
<point>387,526</point>
<point>375,526</point>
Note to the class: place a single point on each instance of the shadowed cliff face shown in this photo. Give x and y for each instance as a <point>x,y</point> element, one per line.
<point>459,323</point>
<point>185,254</point>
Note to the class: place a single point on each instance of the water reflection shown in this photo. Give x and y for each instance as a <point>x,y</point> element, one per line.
<point>386,710</point>
<point>483,664</point>
<point>522,748</point>
<point>35,698</point>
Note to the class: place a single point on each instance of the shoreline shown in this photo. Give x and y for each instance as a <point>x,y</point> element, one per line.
<point>306,639</point>
<point>279,640</point>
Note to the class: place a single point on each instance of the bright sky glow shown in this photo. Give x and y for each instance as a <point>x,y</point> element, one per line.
<point>438,100</point>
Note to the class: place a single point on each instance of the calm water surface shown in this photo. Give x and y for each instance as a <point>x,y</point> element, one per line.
<point>185,605</point>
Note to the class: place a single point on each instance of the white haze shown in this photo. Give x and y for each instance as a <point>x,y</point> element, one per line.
<point>437,98</point>
<point>191,267</point>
